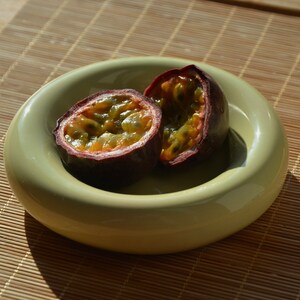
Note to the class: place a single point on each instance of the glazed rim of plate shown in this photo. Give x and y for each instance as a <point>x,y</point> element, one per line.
<point>68,187</point>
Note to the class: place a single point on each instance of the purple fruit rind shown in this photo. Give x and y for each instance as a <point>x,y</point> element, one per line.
<point>216,120</point>
<point>114,168</point>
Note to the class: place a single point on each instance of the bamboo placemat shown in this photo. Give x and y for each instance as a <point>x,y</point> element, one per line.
<point>48,38</point>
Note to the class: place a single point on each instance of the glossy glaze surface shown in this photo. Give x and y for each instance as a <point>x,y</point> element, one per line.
<point>162,213</point>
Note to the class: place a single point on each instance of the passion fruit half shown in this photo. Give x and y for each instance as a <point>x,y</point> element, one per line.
<point>195,114</point>
<point>111,138</point>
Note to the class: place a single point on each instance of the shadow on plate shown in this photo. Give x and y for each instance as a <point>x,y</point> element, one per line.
<point>232,154</point>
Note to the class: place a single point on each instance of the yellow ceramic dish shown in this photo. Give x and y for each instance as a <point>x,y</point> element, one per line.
<point>165,212</point>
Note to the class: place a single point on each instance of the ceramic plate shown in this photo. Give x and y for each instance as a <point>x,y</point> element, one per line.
<point>166,211</point>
